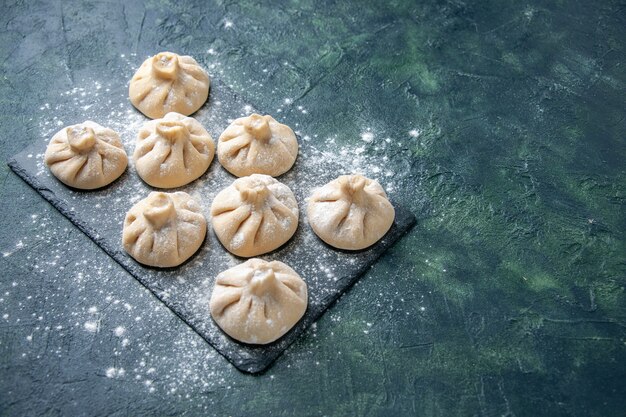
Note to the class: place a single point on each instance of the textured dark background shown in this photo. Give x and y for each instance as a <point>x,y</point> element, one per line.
<point>186,289</point>
<point>506,299</point>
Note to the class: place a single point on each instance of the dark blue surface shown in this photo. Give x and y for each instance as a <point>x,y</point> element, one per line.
<point>506,133</point>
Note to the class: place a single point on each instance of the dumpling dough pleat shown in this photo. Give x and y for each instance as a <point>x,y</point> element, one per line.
<point>168,82</point>
<point>86,156</point>
<point>257,301</point>
<point>351,212</point>
<point>254,215</point>
<point>164,229</point>
<point>173,151</point>
<point>257,145</point>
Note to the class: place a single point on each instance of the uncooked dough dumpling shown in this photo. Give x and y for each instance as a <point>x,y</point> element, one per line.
<point>258,301</point>
<point>254,215</point>
<point>173,151</point>
<point>168,82</point>
<point>86,156</point>
<point>257,145</point>
<point>351,212</point>
<point>164,229</point>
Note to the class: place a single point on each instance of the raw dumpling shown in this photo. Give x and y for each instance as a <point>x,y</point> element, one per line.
<point>254,215</point>
<point>258,301</point>
<point>257,145</point>
<point>351,212</point>
<point>173,151</point>
<point>169,82</point>
<point>86,156</point>
<point>164,229</point>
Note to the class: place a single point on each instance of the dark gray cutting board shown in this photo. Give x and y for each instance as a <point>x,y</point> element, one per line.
<point>186,290</point>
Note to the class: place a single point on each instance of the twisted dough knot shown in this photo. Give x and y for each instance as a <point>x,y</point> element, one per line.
<point>262,282</point>
<point>161,210</point>
<point>259,127</point>
<point>81,138</point>
<point>165,65</point>
<point>255,193</point>
<point>173,130</point>
<point>353,186</point>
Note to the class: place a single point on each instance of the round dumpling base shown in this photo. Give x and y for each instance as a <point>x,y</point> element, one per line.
<point>351,212</point>
<point>254,215</point>
<point>257,145</point>
<point>86,156</point>
<point>164,229</point>
<point>173,151</point>
<point>168,82</point>
<point>257,302</point>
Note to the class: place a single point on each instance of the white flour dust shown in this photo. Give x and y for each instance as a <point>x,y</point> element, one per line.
<point>132,329</point>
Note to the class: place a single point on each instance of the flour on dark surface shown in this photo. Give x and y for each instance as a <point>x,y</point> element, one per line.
<point>187,289</point>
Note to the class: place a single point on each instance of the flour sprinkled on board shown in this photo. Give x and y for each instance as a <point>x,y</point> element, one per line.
<point>92,326</point>
<point>133,330</point>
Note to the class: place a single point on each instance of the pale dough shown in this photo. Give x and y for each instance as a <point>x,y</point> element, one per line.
<point>168,82</point>
<point>254,215</point>
<point>164,229</point>
<point>351,212</point>
<point>257,301</point>
<point>257,145</point>
<point>172,151</point>
<point>86,156</point>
